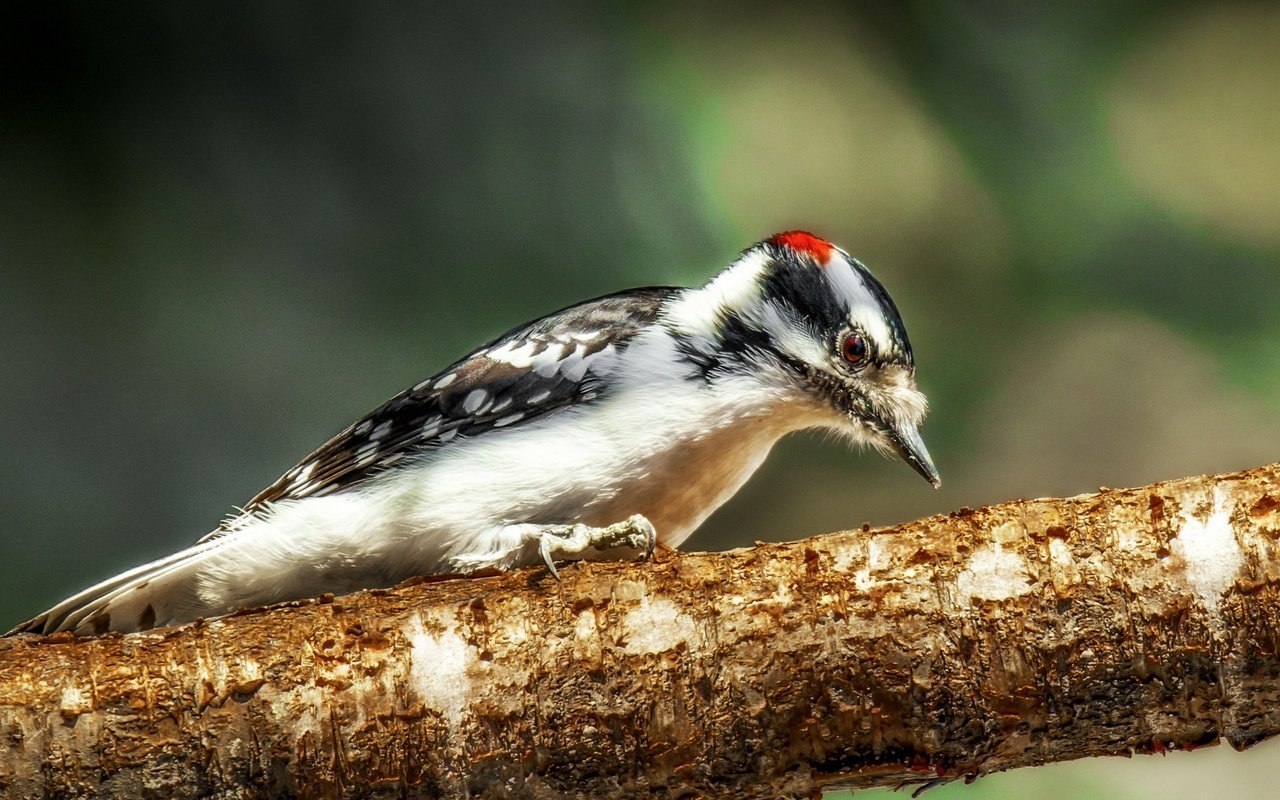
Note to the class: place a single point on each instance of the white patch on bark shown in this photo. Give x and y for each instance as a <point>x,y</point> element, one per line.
<point>1131,540</point>
<point>656,626</point>
<point>879,554</point>
<point>586,641</point>
<point>74,702</point>
<point>306,709</point>
<point>1060,554</point>
<point>585,627</point>
<point>1063,570</point>
<point>1211,555</point>
<point>994,573</point>
<point>439,670</point>
<point>844,555</point>
<point>862,580</point>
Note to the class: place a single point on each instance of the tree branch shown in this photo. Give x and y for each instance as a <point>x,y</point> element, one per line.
<point>1013,635</point>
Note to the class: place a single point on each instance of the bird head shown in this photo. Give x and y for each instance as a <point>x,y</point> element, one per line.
<point>798,312</point>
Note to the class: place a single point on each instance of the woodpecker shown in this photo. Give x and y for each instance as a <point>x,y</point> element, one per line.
<point>592,432</point>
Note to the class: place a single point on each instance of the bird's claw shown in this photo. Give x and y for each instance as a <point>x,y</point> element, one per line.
<point>645,527</point>
<point>544,547</point>
<point>635,534</point>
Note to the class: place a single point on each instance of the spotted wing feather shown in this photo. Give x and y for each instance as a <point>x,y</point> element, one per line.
<point>526,374</point>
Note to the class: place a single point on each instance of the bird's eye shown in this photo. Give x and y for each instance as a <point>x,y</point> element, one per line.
<point>854,349</point>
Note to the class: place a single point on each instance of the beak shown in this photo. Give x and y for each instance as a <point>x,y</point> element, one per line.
<point>907,443</point>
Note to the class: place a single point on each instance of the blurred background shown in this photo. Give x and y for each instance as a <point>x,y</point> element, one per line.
<point>227,231</point>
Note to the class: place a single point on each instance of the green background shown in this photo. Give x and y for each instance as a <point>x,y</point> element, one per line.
<point>227,231</point>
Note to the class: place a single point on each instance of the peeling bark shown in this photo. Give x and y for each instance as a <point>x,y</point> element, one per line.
<point>954,646</point>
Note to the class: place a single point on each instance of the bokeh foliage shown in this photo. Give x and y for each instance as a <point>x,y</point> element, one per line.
<point>226,231</point>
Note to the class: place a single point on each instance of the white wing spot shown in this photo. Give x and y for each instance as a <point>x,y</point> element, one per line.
<point>548,360</point>
<point>305,473</point>
<point>447,435</point>
<point>431,427</point>
<point>363,428</point>
<point>575,369</point>
<point>476,399</point>
<point>508,419</point>
<point>538,398</point>
<point>367,452</point>
<point>446,380</point>
<point>501,404</point>
<point>516,355</point>
<point>380,431</point>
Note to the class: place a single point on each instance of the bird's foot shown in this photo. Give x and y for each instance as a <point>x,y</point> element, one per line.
<point>634,537</point>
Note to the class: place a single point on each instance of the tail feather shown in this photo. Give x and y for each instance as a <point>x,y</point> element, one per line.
<point>147,596</point>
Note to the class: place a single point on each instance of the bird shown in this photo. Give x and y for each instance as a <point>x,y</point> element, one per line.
<point>591,433</point>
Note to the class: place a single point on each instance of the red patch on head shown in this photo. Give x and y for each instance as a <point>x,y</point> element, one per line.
<point>805,244</point>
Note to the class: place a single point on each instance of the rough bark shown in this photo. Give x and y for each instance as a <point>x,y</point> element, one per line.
<point>1013,635</point>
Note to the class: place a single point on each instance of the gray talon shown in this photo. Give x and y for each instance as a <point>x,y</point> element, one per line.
<point>545,548</point>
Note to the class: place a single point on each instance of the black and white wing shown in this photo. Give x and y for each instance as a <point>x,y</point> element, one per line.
<point>528,373</point>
